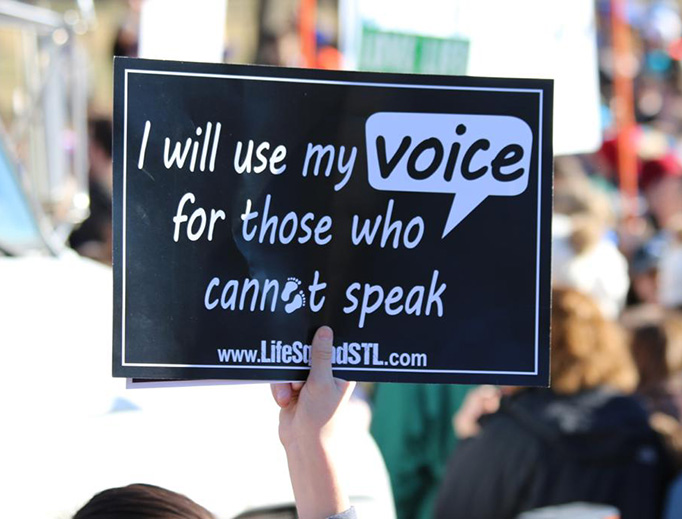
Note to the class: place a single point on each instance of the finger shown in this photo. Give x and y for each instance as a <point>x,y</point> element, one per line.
<point>321,356</point>
<point>346,388</point>
<point>297,386</point>
<point>282,393</point>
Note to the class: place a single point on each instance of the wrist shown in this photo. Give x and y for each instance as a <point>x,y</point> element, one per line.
<point>314,477</point>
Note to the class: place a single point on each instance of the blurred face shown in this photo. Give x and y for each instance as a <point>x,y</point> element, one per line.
<point>646,286</point>
<point>665,199</point>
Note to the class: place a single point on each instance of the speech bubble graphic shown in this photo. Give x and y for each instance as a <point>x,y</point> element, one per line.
<point>470,156</point>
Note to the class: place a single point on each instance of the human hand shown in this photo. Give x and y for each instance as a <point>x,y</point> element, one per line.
<point>478,402</point>
<point>306,429</point>
<point>308,409</point>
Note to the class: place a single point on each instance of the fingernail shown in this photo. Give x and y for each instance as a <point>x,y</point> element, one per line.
<point>281,395</point>
<point>325,332</point>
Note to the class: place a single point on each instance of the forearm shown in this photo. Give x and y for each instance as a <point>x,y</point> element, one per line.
<point>314,478</point>
<point>307,421</point>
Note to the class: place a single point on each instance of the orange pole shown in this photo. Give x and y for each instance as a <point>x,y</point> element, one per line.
<point>624,108</point>
<point>307,32</point>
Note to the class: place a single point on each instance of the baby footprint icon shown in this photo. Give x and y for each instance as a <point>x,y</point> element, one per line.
<point>290,286</point>
<point>297,302</point>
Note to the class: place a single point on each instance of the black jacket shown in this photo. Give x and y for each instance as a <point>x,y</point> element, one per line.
<point>541,449</point>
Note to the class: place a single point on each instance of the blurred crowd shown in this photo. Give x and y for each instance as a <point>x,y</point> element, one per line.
<point>609,431</point>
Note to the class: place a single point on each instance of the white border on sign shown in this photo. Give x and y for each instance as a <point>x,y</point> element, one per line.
<point>325,82</point>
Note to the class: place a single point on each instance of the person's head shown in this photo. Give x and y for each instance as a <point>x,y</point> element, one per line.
<point>141,502</point>
<point>126,42</point>
<point>587,207</point>
<point>644,265</point>
<point>657,348</point>
<point>587,350</point>
<point>661,184</point>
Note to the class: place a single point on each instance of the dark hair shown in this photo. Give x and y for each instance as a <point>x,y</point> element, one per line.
<point>141,502</point>
<point>657,348</point>
<point>126,43</point>
<point>101,133</point>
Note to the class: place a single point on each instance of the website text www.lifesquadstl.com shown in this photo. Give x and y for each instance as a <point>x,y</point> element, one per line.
<point>277,352</point>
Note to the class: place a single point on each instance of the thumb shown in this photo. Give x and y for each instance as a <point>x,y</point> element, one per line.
<point>321,356</point>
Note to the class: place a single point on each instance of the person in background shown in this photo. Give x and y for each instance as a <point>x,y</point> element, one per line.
<point>661,184</point>
<point>585,439</point>
<point>670,286</point>
<point>657,351</point>
<point>412,425</point>
<point>141,502</point>
<point>308,415</point>
<point>673,505</point>
<point>584,255</point>
<point>126,42</point>
<point>644,267</point>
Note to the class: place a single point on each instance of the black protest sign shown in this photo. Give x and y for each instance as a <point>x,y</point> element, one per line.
<point>409,213</point>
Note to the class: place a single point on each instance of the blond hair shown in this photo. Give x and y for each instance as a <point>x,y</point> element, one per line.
<point>587,349</point>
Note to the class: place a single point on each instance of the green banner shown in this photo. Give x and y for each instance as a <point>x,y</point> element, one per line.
<point>384,51</point>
